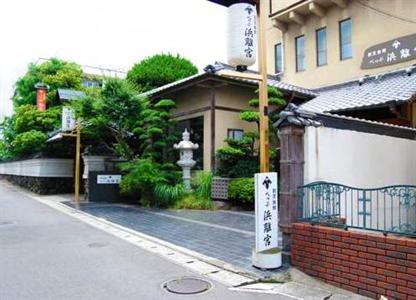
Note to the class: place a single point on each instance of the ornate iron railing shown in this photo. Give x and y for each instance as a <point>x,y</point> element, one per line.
<point>390,209</point>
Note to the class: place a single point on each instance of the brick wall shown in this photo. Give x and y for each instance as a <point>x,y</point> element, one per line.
<point>369,264</point>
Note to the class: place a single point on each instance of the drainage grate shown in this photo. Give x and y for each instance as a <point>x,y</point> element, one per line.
<point>187,286</point>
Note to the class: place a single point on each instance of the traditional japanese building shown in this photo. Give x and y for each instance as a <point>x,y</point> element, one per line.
<point>209,104</point>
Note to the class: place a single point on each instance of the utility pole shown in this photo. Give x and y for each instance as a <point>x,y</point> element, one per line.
<point>263,89</point>
<point>77,162</point>
<point>261,78</point>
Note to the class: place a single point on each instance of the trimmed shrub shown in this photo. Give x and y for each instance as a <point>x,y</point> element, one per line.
<point>192,201</point>
<point>202,184</point>
<point>29,142</point>
<point>241,191</point>
<point>160,69</point>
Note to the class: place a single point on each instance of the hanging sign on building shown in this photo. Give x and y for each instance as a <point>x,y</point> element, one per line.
<point>41,99</point>
<point>266,201</point>
<point>68,119</point>
<point>241,38</point>
<point>392,52</point>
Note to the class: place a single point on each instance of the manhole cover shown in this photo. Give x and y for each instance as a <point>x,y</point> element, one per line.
<point>97,245</point>
<point>187,286</point>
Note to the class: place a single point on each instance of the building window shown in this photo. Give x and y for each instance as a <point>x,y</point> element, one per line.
<point>300,53</point>
<point>235,134</point>
<point>345,39</point>
<point>278,56</point>
<point>91,83</point>
<point>321,47</point>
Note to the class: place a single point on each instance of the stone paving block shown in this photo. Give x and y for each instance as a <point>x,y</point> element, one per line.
<point>217,242</point>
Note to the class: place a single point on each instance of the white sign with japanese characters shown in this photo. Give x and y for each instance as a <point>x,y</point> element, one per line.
<point>266,203</point>
<point>108,179</point>
<point>68,119</point>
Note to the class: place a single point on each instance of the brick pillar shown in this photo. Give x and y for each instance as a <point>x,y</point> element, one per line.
<point>41,90</point>
<point>291,177</point>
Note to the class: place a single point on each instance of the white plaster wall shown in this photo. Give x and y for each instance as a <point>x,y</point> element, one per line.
<point>48,167</point>
<point>358,159</point>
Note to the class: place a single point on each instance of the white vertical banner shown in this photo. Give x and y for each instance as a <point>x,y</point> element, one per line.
<point>266,201</point>
<point>68,119</point>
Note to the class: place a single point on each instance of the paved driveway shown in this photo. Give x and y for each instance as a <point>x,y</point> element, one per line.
<point>224,235</point>
<point>45,254</point>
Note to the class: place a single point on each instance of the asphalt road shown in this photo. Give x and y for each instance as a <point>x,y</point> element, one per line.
<point>45,254</point>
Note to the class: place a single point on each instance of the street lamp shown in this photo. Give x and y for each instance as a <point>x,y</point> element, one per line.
<point>241,54</point>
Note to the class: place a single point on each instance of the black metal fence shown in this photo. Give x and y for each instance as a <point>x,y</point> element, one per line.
<point>390,209</point>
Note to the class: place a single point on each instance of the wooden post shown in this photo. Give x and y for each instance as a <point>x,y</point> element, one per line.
<point>77,163</point>
<point>263,95</point>
<point>291,178</point>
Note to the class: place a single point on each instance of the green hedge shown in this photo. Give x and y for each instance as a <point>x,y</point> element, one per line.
<point>241,190</point>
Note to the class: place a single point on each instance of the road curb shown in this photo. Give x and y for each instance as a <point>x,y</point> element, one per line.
<point>204,265</point>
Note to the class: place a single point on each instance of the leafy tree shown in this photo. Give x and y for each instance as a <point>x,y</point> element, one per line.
<point>110,117</point>
<point>25,132</point>
<point>239,158</point>
<point>154,129</point>
<point>160,69</point>
<point>275,100</point>
<point>29,142</point>
<point>55,73</point>
<point>29,118</point>
<point>157,184</point>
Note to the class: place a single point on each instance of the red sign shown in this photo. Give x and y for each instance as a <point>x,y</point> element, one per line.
<point>41,99</point>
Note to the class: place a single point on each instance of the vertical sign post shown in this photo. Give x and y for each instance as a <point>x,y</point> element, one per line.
<point>68,119</point>
<point>267,255</point>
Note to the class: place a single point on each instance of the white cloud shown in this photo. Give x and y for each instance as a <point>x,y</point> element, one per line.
<point>106,33</point>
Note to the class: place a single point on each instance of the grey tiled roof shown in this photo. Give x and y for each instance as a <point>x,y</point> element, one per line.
<point>65,94</point>
<point>272,80</point>
<point>373,91</point>
<point>212,69</point>
<point>170,85</point>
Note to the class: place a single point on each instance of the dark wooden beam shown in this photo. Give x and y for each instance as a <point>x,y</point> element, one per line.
<point>191,112</point>
<point>213,121</point>
<point>291,178</point>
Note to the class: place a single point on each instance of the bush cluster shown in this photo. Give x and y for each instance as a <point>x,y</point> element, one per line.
<point>241,191</point>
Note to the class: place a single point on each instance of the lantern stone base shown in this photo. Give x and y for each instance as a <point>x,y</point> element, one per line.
<point>266,260</point>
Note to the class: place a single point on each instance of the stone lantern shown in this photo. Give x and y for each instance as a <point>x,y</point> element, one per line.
<point>186,162</point>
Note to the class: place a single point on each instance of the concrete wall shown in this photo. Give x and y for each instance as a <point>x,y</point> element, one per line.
<point>46,168</point>
<point>358,159</point>
<point>236,98</point>
<point>369,27</point>
<point>190,99</point>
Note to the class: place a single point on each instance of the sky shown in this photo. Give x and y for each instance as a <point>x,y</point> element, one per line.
<point>105,33</point>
